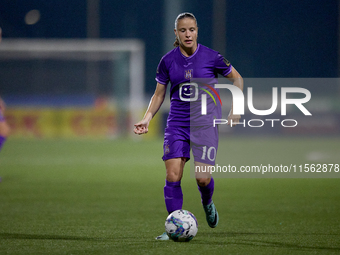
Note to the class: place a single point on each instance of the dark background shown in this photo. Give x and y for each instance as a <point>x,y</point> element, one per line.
<point>264,38</point>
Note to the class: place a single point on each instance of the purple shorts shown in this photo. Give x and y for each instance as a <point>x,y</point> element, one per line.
<point>202,140</point>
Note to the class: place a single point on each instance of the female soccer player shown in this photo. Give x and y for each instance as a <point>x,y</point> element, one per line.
<point>4,128</point>
<point>189,60</point>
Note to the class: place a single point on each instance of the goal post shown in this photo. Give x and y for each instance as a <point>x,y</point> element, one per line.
<point>97,62</point>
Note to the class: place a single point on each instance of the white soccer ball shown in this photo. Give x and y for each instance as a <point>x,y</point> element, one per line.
<point>181,226</point>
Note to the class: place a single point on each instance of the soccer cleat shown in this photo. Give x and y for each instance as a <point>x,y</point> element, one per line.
<point>211,214</point>
<point>163,237</point>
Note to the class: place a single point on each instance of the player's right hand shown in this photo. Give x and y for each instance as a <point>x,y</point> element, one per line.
<point>141,127</point>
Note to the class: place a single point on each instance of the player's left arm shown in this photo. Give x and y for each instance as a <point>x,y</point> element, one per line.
<point>4,127</point>
<point>237,80</point>
<point>2,105</point>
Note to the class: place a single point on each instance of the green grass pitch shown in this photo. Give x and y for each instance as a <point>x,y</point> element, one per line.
<point>106,197</point>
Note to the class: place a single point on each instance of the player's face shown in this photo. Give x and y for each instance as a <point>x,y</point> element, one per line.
<point>186,33</point>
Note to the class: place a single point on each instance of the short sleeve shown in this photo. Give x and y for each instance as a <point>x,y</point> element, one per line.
<point>222,65</point>
<point>162,74</point>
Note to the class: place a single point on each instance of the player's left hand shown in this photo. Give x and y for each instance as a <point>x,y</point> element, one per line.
<point>233,119</point>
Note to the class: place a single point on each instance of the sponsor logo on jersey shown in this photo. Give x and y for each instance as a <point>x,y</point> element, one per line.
<point>188,92</point>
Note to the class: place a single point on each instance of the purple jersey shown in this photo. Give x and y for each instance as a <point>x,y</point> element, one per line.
<point>181,71</point>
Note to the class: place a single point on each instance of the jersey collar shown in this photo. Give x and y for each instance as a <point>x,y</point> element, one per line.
<point>187,58</point>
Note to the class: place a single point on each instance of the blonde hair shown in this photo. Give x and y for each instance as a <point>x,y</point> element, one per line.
<point>179,17</point>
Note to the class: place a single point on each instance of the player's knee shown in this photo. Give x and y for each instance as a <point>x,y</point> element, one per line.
<point>202,181</point>
<point>173,175</point>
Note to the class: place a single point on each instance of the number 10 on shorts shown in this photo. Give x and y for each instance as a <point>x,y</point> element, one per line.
<point>209,153</point>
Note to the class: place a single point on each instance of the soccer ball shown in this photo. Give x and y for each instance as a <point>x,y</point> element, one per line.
<point>181,226</point>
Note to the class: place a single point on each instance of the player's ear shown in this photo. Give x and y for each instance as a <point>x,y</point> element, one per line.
<point>175,31</point>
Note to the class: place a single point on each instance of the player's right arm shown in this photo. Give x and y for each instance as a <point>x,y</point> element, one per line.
<point>155,103</point>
